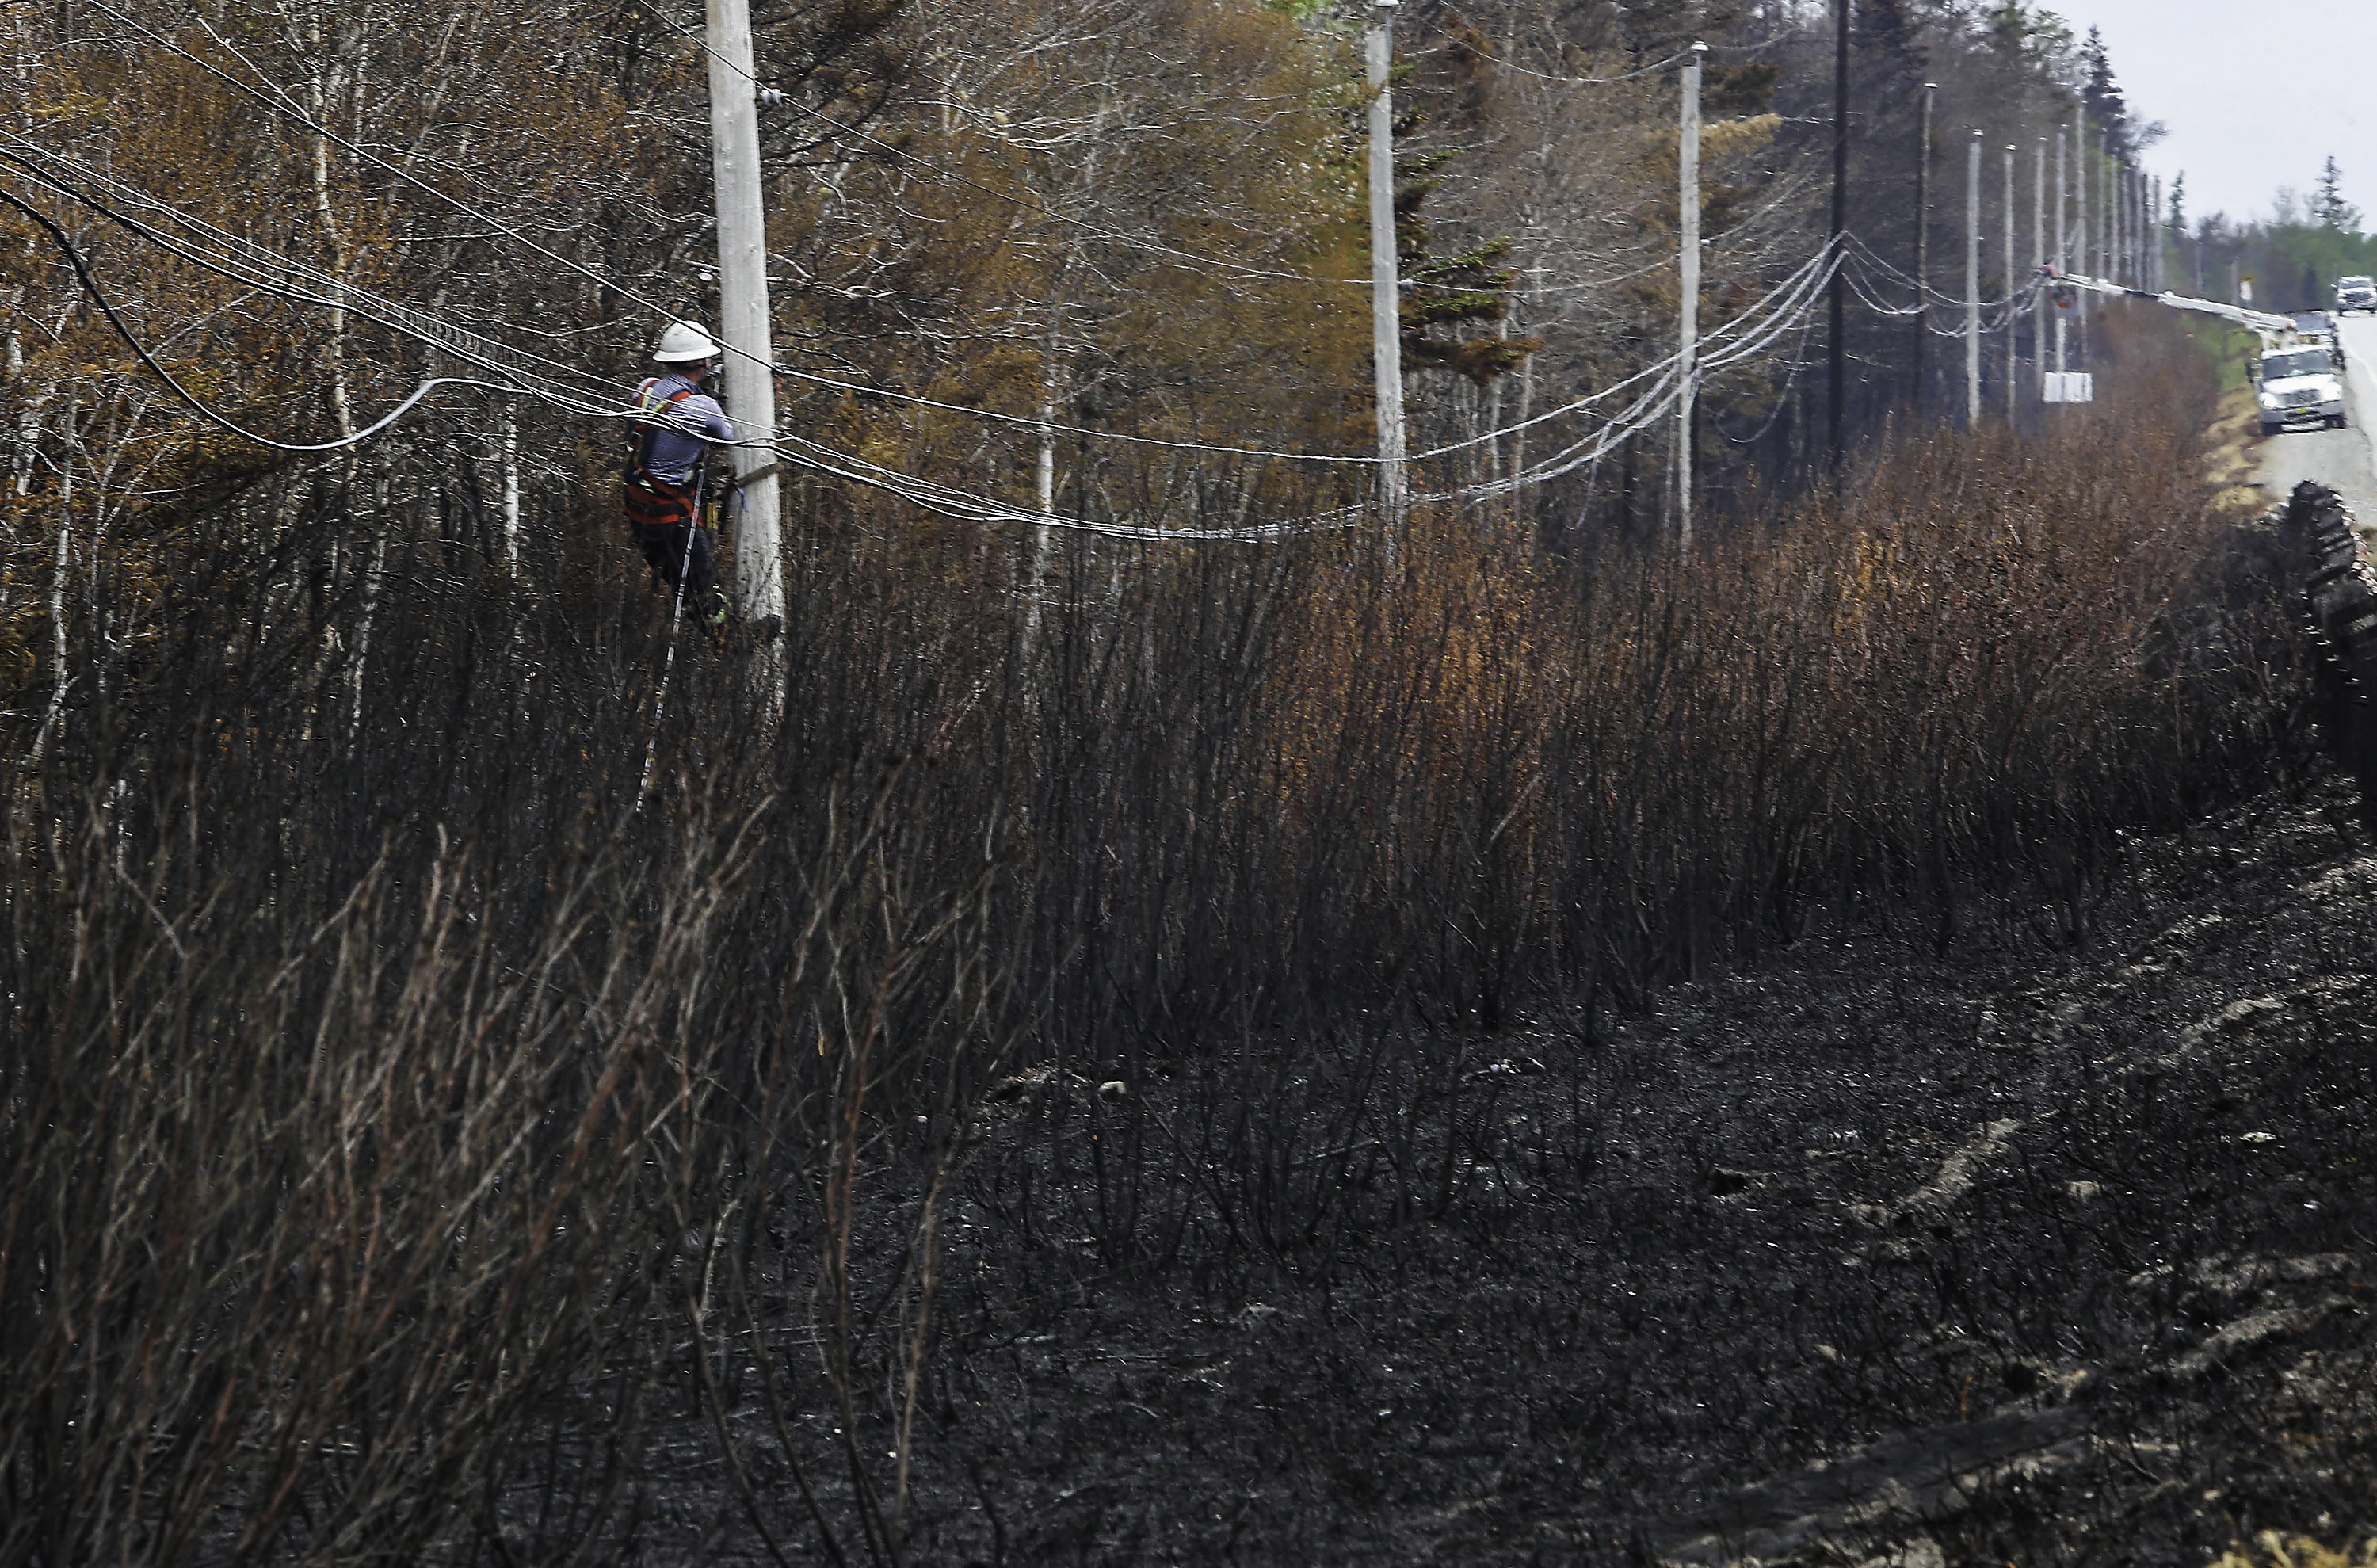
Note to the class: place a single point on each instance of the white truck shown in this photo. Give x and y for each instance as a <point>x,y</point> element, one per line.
<point>2298,380</point>
<point>2355,294</point>
<point>2299,383</point>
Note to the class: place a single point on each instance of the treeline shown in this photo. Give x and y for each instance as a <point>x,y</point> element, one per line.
<point>2287,261</point>
<point>1058,224</point>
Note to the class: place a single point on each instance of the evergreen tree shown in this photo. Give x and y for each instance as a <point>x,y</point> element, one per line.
<point>2329,207</point>
<point>2026,37</point>
<point>2101,94</point>
<point>1446,296</point>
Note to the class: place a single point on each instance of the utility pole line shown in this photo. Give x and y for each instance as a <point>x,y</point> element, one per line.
<point>2153,233</point>
<point>2012,319</point>
<point>1923,241</point>
<point>2116,199</point>
<point>2124,216</point>
<point>507,438</point>
<point>2128,227</point>
<point>2117,260</point>
<point>2150,230</point>
<point>1688,286</point>
<point>2063,239</point>
<point>2080,209</point>
<point>2177,243</point>
<point>2154,277</point>
<point>2133,182</point>
<point>1973,282</point>
<point>1527,380</point>
<point>744,321</point>
<point>1838,390</point>
<point>2133,253</point>
<point>2141,224</point>
<point>2038,252</point>
<point>1043,488</point>
<point>1386,324</point>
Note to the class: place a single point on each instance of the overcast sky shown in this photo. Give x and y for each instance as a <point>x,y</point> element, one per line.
<point>2255,96</point>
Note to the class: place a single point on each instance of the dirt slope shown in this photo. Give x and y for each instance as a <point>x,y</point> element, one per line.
<point>2058,1251</point>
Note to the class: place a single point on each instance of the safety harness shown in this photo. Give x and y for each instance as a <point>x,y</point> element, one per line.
<point>649,500</point>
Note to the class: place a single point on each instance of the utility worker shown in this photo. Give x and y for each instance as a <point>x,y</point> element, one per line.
<point>659,494</point>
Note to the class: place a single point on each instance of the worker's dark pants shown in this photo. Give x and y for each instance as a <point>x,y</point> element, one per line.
<point>682,549</point>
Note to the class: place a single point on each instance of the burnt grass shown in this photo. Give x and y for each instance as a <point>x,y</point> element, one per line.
<point>1854,1046</point>
<point>2058,1251</point>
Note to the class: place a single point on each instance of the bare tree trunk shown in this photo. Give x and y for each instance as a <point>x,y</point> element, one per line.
<point>323,86</point>
<point>59,588</point>
<point>508,429</point>
<point>364,625</point>
<point>1043,539</point>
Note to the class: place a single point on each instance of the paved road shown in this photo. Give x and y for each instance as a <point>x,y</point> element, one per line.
<point>2345,460</point>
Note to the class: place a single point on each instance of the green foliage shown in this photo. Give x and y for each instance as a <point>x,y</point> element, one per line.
<point>2027,35</point>
<point>2294,266</point>
<point>1443,295</point>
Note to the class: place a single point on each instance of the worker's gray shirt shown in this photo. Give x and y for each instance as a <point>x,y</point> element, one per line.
<point>674,451</point>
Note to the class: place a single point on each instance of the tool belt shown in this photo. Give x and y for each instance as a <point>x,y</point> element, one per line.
<point>651,502</point>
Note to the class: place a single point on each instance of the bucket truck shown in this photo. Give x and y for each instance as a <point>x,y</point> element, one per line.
<point>2298,377</point>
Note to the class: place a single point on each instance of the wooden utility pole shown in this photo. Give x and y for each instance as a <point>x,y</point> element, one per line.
<point>2062,238</point>
<point>2154,269</point>
<point>2087,261</point>
<point>2038,252</point>
<point>1688,286</point>
<point>1386,324</point>
<point>1837,392</point>
<point>1923,241</point>
<point>2117,221</point>
<point>1528,380</point>
<point>744,323</point>
<point>2012,319</point>
<point>1973,282</point>
<point>2128,226</point>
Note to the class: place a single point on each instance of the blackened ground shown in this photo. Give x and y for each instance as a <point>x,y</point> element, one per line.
<point>2056,1249</point>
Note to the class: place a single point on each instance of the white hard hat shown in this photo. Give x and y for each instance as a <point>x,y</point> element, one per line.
<point>682,341</point>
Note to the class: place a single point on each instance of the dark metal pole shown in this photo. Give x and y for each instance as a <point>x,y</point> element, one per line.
<point>1840,222</point>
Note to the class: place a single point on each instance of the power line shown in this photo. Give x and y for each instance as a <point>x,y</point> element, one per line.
<point>444,336</point>
<point>255,267</point>
<point>90,285</point>
<point>815,456</point>
<point>799,451</point>
<point>285,107</point>
<point>266,271</point>
<point>1791,302</point>
<point>290,111</point>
